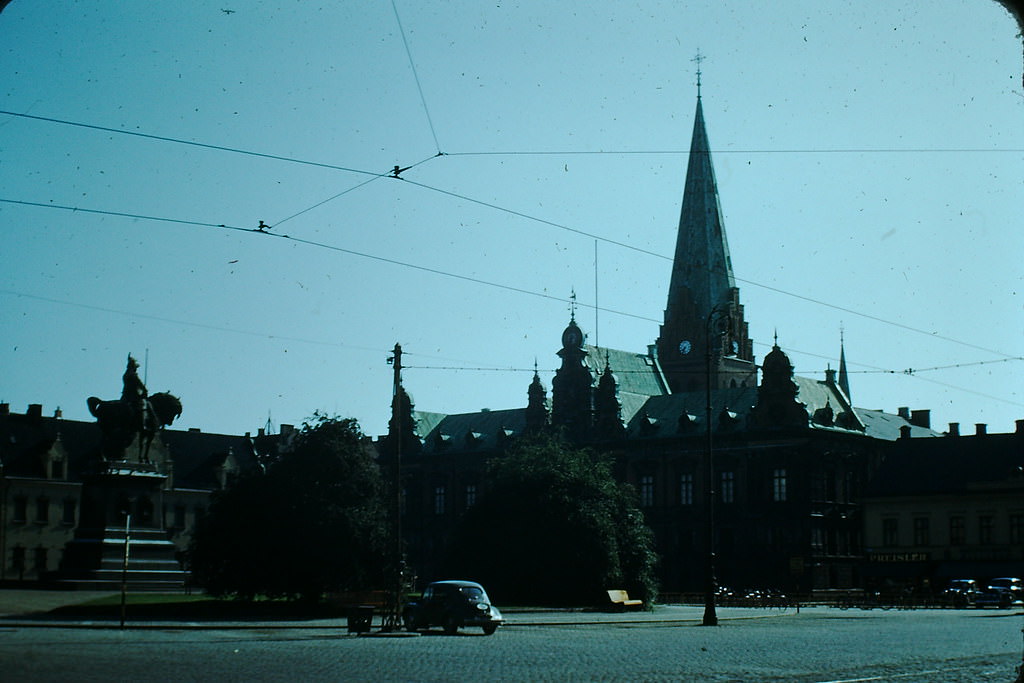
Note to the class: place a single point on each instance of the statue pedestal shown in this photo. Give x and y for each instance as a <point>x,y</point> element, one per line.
<point>122,506</point>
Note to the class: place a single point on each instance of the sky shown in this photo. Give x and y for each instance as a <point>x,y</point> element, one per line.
<point>870,164</point>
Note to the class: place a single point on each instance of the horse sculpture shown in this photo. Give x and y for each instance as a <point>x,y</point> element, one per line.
<point>120,422</point>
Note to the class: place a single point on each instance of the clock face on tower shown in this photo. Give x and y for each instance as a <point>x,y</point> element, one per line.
<point>685,347</point>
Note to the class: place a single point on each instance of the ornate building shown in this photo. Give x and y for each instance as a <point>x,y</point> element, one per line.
<point>792,455</point>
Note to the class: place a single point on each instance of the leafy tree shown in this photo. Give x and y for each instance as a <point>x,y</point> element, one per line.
<point>313,522</point>
<point>555,527</point>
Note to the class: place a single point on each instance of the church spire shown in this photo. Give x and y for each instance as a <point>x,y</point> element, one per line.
<point>844,378</point>
<point>702,279</point>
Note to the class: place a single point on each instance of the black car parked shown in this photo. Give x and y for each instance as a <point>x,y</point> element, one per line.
<point>452,605</point>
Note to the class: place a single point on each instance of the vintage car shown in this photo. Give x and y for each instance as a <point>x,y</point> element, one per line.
<point>453,605</point>
<point>993,597</point>
<point>1011,585</point>
<point>961,592</point>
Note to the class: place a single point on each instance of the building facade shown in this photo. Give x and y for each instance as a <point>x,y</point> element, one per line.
<point>43,464</point>
<point>791,457</point>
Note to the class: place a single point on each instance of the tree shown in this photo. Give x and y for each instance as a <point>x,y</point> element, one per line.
<point>554,527</point>
<point>313,522</point>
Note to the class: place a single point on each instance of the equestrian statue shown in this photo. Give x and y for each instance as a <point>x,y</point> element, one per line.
<point>135,414</point>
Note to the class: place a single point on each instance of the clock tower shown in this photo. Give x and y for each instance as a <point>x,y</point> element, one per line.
<point>703,300</point>
<point>572,394</point>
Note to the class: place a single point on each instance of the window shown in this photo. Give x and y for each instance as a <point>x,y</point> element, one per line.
<point>57,469</point>
<point>890,532</point>
<point>817,538</point>
<point>728,492</point>
<point>957,531</point>
<point>470,495</point>
<point>779,485</point>
<point>439,500</point>
<point>686,489</point>
<point>68,516</point>
<point>921,529</point>
<point>985,529</point>
<point>1016,529</point>
<point>40,560</point>
<point>647,490</point>
<point>18,559</point>
<point>20,510</point>
<point>42,510</point>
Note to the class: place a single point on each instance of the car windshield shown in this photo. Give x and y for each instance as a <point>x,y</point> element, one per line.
<point>472,593</point>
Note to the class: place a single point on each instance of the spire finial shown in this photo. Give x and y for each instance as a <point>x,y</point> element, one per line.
<point>698,59</point>
<point>776,338</point>
<point>572,305</point>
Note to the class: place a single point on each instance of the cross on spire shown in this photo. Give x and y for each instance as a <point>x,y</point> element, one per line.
<point>572,305</point>
<point>698,59</point>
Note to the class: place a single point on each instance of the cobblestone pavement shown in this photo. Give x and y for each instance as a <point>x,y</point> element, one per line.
<point>818,645</point>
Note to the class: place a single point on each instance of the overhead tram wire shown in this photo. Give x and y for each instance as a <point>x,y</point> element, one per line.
<point>161,138</point>
<point>718,152</point>
<point>416,77</point>
<point>648,252</point>
<point>389,174</point>
<point>509,287</point>
<point>322,245</point>
<point>350,252</point>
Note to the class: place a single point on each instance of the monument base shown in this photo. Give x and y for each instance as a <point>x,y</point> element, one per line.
<point>120,538</point>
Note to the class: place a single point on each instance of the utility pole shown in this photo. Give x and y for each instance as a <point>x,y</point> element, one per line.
<point>718,316</point>
<point>393,620</point>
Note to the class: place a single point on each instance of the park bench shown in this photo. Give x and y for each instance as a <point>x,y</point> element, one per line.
<point>621,601</point>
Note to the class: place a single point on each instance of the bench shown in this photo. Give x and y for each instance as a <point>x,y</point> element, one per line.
<point>621,601</point>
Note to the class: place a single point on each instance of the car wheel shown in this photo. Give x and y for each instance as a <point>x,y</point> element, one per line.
<point>489,629</point>
<point>451,626</point>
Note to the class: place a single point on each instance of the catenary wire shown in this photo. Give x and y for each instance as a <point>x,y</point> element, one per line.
<point>393,262</point>
<point>161,138</point>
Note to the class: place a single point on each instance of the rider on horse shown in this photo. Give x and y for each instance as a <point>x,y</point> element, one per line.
<point>134,394</point>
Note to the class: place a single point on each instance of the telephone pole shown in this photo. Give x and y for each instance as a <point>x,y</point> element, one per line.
<point>393,620</point>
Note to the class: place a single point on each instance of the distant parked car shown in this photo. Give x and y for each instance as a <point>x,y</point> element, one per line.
<point>452,605</point>
<point>993,597</point>
<point>1012,586</point>
<point>961,592</point>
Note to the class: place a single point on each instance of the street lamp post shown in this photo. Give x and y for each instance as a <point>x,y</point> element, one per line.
<point>717,315</point>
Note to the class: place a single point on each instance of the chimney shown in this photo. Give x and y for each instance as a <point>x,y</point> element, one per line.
<point>921,418</point>
<point>262,431</point>
<point>903,412</point>
<point>58,413</point>
<point>285,430</point>
<point>980,428</point>
<point>905,432</point>
<point>35,410</point>
<point>1020,426</point>
<point>830,376</point>
<point>5,409</point>
<point>954,429</point>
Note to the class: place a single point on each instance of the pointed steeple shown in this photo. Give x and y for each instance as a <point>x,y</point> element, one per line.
<point>537,405</point>
<point>702,270</point>
<point>844,378</point>
<point>702,278</point>
<point>607,407</point>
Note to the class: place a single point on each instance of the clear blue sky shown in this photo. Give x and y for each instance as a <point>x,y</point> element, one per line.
<point>870,159</point>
